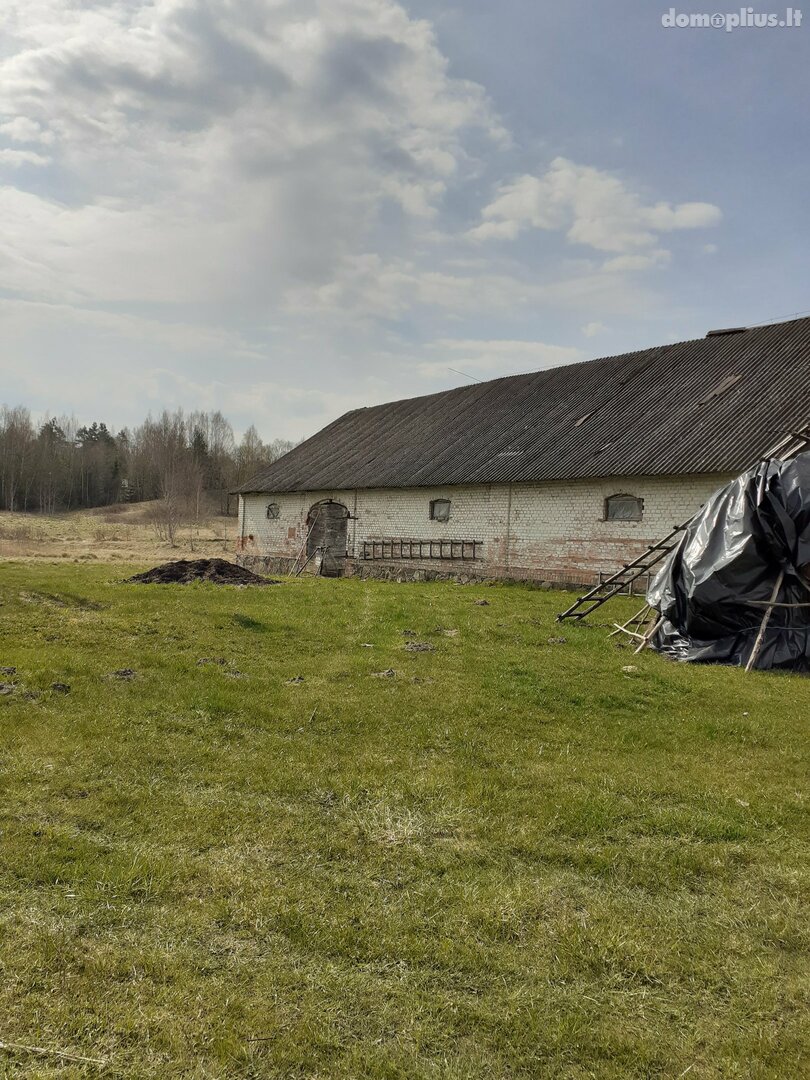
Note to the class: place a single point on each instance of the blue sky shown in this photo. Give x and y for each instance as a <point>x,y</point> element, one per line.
<point>289,209</point>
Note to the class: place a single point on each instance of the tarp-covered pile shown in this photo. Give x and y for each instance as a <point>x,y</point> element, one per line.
<point>717,584</point>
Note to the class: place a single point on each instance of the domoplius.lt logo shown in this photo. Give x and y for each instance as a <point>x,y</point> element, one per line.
<point>744,19</point>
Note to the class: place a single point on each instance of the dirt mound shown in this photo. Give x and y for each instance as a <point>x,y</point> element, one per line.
<point>217,571</point>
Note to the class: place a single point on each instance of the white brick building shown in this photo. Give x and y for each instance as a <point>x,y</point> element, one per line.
<point>551,532</point>
<point>554,476</point>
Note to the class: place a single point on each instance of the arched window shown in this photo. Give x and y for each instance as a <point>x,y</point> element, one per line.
<point>273,511</point>
<point>624,508</point>
<point>440,510</point>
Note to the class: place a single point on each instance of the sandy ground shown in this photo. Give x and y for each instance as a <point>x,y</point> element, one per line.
<point>109,534</point>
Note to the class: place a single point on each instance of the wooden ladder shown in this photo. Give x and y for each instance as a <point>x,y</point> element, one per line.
<point>618,582</point>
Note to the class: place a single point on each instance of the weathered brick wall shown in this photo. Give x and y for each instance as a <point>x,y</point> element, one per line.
<point>553,531</point>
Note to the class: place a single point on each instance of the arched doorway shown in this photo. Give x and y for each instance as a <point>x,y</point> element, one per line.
<point>327,526</point>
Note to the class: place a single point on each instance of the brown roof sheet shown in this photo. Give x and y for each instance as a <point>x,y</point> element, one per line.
<point>710,405</point>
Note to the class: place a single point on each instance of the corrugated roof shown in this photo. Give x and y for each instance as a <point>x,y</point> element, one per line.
<point>710,405</point>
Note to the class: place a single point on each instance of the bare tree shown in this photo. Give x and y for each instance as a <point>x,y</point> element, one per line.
<point>253,454</point>
<point>186,464</point>
<point>163,444</point>
<point>17,444</point>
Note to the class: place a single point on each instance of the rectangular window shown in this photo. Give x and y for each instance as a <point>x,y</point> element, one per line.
<point>440,510</point>
<point>623,508</point>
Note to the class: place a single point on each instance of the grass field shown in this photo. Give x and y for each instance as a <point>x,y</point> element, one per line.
<point>511,858</point>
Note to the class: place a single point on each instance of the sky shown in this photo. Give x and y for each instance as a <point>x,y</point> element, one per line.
<point>286,210</point>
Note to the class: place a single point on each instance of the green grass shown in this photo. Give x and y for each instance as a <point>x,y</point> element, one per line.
<point>511,859</point>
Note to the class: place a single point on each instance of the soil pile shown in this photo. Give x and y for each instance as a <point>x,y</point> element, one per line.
<point>184,571</point>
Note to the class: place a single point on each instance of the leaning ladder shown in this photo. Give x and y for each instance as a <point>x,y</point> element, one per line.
<point>791,443</point>
<point>618,582</point>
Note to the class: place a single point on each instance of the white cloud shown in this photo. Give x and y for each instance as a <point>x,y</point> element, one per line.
<point>213,149</point>
<point>595,209</point>
<point>23,129</point>
<point>17,315</point>
<point>593,329</point>
<point>646,261</point>
<point>387,289</point>
<point>489,359</point>
<point>692,215</point>
<point>15,158</point>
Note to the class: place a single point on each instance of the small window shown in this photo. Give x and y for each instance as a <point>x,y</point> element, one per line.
<point>624,508</point>
<point>273,511</point>
<point>440,510</point>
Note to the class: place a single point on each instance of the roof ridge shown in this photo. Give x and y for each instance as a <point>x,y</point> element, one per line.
<point>666,409</point>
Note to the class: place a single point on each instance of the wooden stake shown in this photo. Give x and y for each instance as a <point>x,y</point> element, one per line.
<point>645,641</point>
<point>766,618</point>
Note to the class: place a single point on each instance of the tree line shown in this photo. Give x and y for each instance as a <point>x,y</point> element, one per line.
<point>188,461</point>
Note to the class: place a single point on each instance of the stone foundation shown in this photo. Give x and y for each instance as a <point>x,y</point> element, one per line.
<point>266,564</point>
<point>402,571</point>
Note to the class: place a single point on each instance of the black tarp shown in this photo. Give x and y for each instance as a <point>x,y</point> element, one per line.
<point>713,588</point>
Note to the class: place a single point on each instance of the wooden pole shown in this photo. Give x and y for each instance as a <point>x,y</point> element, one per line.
<point>305,564</point>
<point>298,556</point>
<point>304,545</point>
<point>645,641</point>
<point>766,618</point>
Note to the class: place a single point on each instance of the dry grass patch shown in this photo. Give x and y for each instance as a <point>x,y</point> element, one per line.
<point>120,533</point>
